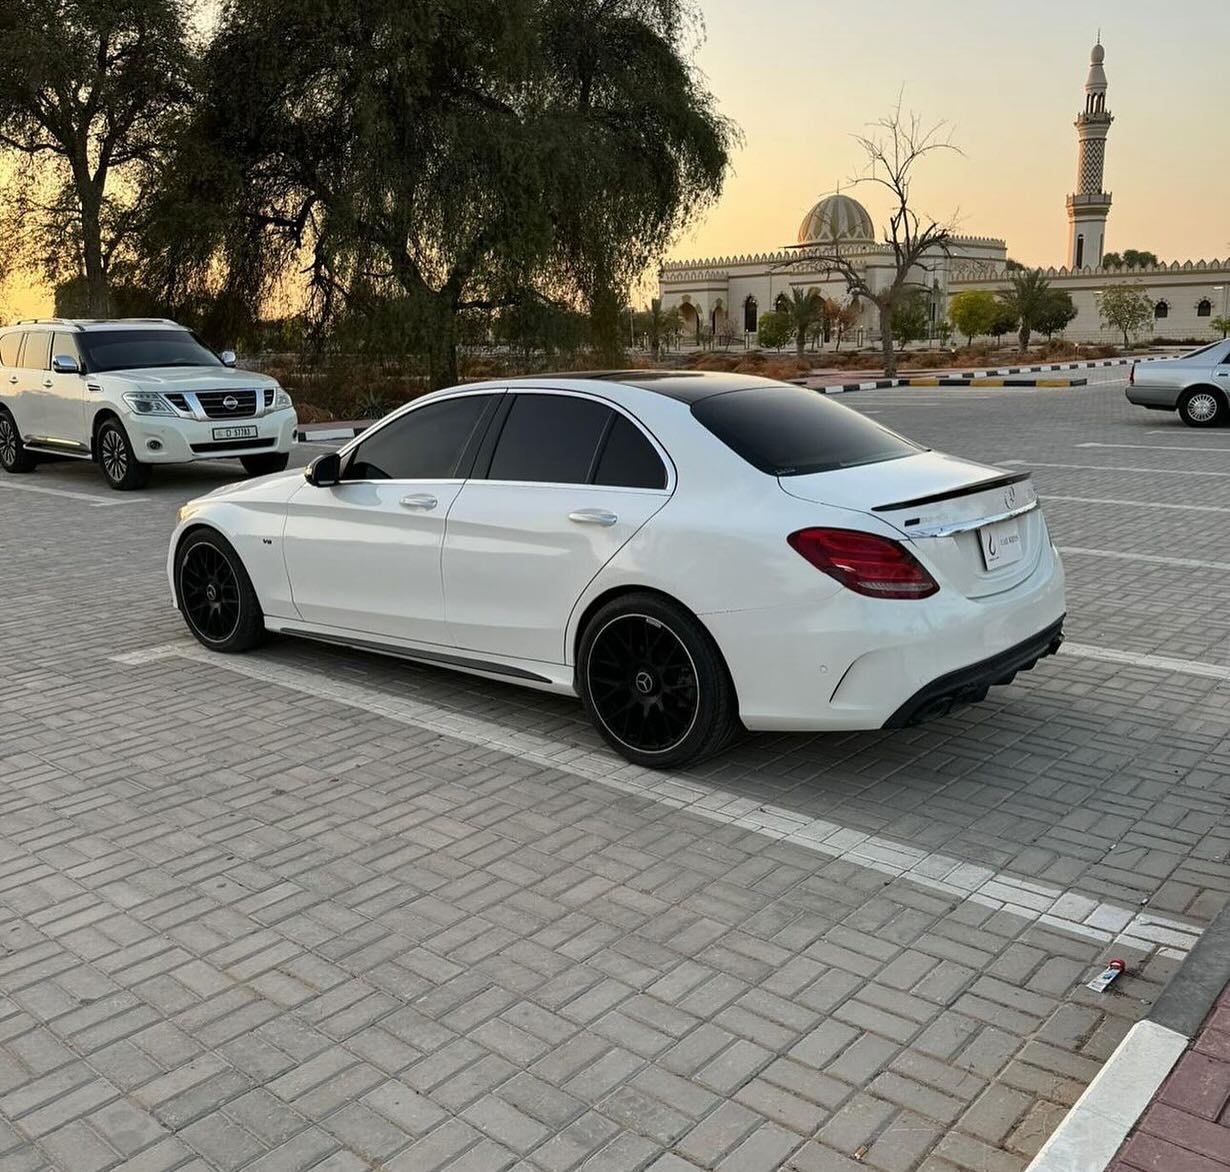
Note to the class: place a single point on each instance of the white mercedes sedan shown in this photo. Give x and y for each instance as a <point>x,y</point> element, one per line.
<point>690,553</point>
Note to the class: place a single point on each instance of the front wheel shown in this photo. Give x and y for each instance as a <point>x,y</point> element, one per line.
<point>1203,407</point>
<point>13,455</point>
<point>215,594</point>
<point>654,683</point>
<point>265,463</point>
<point>120,467</point>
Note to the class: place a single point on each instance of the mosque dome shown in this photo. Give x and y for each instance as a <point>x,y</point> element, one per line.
<point>837,219</point>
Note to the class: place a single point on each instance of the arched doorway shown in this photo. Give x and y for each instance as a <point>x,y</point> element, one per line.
<point>691,321</point>
<point>749,315</point>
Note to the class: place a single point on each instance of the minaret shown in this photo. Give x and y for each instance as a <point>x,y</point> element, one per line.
<point>1090,205</point>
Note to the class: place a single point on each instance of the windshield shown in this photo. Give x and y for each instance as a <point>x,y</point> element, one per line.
<point>791,431</point>
<point>140,349</point>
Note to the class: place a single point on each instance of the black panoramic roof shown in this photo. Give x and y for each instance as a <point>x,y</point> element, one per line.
<point>688,386</point>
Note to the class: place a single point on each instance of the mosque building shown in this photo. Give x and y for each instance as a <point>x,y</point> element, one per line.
<point>724,297</point>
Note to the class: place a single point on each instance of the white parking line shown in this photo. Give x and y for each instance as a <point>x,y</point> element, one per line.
<point>1188,667</point>
<point>1103,500</point>
<point>1156,559</point>
<point>1155,447</point>
<point>1116,468</point>
<point>1086,916</point>
<point>97,502</point>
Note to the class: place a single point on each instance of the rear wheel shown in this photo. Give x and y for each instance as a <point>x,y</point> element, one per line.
<point>1203,407</point>
<point>13,455</point>
<point>654,683</point>
<point>265,463</point>
<point>120,467</point>
<point>215,593</point>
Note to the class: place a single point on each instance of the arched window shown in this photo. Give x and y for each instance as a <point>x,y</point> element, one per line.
<point>1080,251</point>
<point>1161,310</point>
<point>782,303</point>
<point>749,315</point>
<point>1204,308</point>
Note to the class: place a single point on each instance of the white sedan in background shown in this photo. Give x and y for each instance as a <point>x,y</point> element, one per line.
<point>690,553</point>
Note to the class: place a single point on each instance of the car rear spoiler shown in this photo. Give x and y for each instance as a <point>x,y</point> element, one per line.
<point>964,490</point>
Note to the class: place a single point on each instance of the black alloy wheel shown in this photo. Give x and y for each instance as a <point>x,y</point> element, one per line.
<point>654,682</point>
<point>13,455</point>
<point>216,595</point>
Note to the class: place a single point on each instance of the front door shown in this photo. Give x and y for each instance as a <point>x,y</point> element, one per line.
<point>66,393</point>
<point>570,480</point>
<point>364,555</point>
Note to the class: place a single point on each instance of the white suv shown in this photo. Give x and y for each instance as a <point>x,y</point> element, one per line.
<point>131,393</point>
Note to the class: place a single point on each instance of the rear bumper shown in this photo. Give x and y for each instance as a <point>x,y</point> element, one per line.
<point>971,684</point>
<point>1161,398</point>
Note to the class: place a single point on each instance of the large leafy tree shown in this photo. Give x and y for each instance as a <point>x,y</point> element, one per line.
<point>89,91</point>
<point>1057,312</point>
<point>911,318</point>
<point>457,155</point>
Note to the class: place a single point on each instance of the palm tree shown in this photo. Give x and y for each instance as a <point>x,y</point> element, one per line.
<point>1026,300</point>
<point>803,311</point>
<point>655,327</point>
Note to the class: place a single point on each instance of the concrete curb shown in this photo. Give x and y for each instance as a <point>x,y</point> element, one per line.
<point>1094,1129</point>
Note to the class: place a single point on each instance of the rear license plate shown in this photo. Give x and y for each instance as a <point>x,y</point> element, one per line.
<point>231,433</point>
<point>1001,543</point>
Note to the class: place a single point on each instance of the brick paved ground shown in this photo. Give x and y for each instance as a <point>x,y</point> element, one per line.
<point>1187,1127</point>
<point>314,909</point>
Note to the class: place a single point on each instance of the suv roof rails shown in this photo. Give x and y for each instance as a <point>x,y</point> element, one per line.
<point>78,322</point>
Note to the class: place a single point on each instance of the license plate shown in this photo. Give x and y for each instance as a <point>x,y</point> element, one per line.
<point>1001,544</point>
<point>232,433</point>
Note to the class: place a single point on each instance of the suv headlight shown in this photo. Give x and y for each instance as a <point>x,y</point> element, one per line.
<point>148,403</point>
<point>281,400</point>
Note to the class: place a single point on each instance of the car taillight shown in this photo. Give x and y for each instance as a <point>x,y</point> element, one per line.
<point>875,566</point>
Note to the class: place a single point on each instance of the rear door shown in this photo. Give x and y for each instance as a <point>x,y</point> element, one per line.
<point>569,479</point>
<point>978,528</point>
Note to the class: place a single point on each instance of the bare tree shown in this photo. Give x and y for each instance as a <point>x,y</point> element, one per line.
<point>893,146</point>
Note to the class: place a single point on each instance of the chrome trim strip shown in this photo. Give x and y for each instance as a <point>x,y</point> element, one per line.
<point>977,523</point>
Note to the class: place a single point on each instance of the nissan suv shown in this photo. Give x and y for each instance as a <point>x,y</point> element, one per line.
<point>132,393</point>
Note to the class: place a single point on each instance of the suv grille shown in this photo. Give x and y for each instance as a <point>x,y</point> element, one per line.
<point>212,403</point>
<point>178,402</point>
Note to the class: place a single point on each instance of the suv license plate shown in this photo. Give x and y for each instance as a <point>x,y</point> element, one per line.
<point>1001,543</point>
<point>230,433</point>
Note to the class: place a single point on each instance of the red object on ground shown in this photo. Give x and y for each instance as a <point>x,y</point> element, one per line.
<point>1187,1126</point>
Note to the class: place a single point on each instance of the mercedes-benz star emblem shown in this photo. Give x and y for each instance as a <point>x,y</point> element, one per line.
<point>230,403</point>
<point>1010,497</point>
<point>643,682</point>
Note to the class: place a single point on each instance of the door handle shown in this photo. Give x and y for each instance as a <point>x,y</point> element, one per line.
<point>593,517</point>
<point>419,500</point>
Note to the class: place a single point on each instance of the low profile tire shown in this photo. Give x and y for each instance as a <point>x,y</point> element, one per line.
<point>265,463</point>
<point>215,594</point>
<point>120,467</point>
<point>654,683</point>
<point>13,455</point>
<point>1203,407</point>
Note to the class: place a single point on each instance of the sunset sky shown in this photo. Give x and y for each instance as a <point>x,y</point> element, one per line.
<point>801,76</point>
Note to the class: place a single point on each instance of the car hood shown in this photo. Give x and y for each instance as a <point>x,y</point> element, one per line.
<point>279,486</point>
<point>186,378</point>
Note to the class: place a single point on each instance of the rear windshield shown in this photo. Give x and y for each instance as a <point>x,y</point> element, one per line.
<point>791,431</point>
<point>140,349</point>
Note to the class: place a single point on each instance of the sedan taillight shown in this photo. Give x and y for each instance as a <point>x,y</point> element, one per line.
<point>875,566</point>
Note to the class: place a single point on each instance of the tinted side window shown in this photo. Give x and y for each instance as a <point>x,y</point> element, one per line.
<point>629,460</point>
<point>426,444</point>
<point>37,354</point>
<point>9,345</point>
<point>790,431</point>
<point>549,438</point>
<point>65,344</point>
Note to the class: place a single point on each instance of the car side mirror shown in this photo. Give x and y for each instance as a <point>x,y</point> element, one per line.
<point>65,364</point>
<point>325,471</point>
<point>228,357</point>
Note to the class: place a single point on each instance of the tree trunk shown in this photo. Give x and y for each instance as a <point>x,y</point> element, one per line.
<point>604,322</point>
<point>799,341</point>
<point>886,341</point>
<point>1023,338</point>
<point>442,354</point>
<point>91,247</point>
